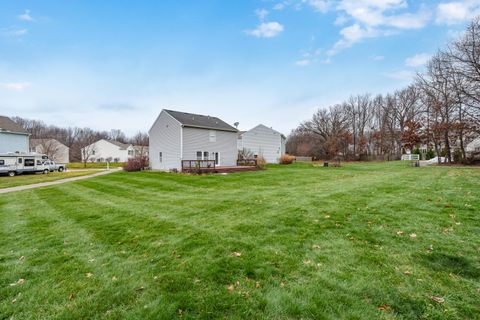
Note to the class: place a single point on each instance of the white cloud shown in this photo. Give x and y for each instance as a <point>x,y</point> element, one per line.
<point>417,60</point>
<point>351,35</point>
<point>266,30</point>
<point>261,14</point>
<point>378,58</point>
<point>15,86</point>
<point>13,32</point>
<point>341,20</point>
<point>319,5</point>
<point>303,62</point>
<point>25,16</point>
<point>405,75</point>
<point>454,12</point>
<point>279,6</point>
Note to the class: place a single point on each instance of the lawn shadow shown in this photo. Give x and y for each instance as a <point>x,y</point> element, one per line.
<point>441,262</point>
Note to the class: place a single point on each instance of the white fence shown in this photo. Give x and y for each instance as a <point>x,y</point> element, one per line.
<point>411,157</point>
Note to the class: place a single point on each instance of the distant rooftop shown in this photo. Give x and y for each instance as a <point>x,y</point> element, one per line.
<point>7,124</point>
<point>200,121</point>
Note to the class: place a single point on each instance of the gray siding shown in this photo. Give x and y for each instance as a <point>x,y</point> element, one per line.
<point>264,141</point>
<point>12,142</point>
<point>195,139</point>
<point>165,137</point>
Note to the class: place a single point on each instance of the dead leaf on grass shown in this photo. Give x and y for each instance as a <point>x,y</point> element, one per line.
<point>413,235</point>
<point>384,307</point>
<point>282,285</point>
<point>257,284</point>
<point>114,278</point>
<point>20,281</point>
<point>88,274</point>
<point>400,232</point>
<point>306,262</point>
<point>437,299</point>
<point>316,246</point>
<point>14,300</point>
<point>21,258</point>
<point>230,288</point>
<point>236,254</point>
<point>407,273</point>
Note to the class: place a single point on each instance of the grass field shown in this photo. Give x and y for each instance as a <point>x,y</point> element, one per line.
<point>364,241</point>
<point>94,165</point>
<point>25,179</point>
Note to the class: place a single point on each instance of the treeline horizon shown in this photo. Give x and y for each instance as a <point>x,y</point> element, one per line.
<point>77,138</point>
<point>440,110</point>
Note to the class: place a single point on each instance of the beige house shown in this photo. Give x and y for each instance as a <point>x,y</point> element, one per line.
<point>54,149</point>
<point>112,151</point>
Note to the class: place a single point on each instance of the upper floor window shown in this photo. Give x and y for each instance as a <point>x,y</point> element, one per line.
<point>130,152</point>
<point>160,157</point>
<point>212,136</point>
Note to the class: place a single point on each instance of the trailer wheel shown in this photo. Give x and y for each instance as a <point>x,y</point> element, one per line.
<point>11,173</point>
<point>60,169</point>
<point>46,171</point>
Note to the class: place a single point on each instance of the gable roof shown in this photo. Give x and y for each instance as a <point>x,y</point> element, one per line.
<point>269,128</point>
<point>200,121</point>
<point>8,125</point>
<point>122,146</point>
<point>36,142</point>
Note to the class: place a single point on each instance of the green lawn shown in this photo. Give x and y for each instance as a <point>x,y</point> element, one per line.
<point>364,241</point>
<point>20,180</point>
<point>94,165</point>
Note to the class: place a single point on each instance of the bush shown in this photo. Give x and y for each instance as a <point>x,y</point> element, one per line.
<point>430,154</point>
<point>136,164</point>
<point>287,159</point>
<point>261,161</point>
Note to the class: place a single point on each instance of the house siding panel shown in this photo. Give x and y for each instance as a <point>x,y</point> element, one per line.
<point>195,139</point>
<point>12,142</point>
<point>165,137</point>
<point>264,141</point>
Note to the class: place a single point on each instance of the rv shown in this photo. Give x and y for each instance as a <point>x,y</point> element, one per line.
<point>18,163</point>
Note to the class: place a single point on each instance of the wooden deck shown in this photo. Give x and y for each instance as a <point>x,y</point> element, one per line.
<point>235,169</point>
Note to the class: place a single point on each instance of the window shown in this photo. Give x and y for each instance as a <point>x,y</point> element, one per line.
<point>205,155</point>
<point>130,152</point>
<point>39,162</point>
<point>29,162</point>
<point>160,157</point>
<point>2,162</point>
<point>217,158</point>
<point>199,155</point>
<point>20,160</point>
<point>212,136</point>
<point>93,152</point>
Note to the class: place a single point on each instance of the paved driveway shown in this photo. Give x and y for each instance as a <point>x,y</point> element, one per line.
<point>52,183</point>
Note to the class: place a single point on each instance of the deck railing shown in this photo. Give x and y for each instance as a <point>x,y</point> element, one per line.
<point>198,165</point>
<point>247,162</point>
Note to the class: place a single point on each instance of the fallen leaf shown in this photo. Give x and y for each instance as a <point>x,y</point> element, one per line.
<point>407,273</point>
<point>140,288</point>
<point>384,307</point>
<point>14,300</point>
<point>21,258</point>
<point>91,260</point>
<point>437,299</point>
<point>316,246</point>
<point>155,277</point>
<point>21,281</point>
<point>447,206</point>
<point>230,288</point>
<point>257,284</point>
<point>71,296</point>
<point>114,278</point>
<point>306,261</point>
<point>236,254</point>
<point>282,285</point>
<point>430,248</point>
<point>413,235</point>
<point>88,274</point>
<point>327,216</point>
<point>400,232</point>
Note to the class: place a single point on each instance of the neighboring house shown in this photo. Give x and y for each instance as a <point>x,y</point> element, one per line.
<point>54,149</point>
<point>177,136</point>
<point>473,146</point>
<point>112,151</point>
<point>13,138</point>
<point>264,142</point>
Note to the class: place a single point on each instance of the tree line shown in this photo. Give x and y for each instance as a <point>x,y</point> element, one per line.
<point>77,138</point>
<point>439,111</point>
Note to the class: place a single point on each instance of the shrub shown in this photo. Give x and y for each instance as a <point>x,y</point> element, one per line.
<point>136,164</point>
<point>261,161</point>
<point>430,154</point>
<point>287,159</point>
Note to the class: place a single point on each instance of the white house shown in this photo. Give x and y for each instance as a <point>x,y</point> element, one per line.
<point>54,149</point>
<point>473,146</point>
<point>177,136</point>
<point>264,142</point>
<point>112,151</point>
<point>13,138</point>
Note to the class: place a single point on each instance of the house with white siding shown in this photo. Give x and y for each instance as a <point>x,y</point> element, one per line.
<point>262,141</point>
<point>54,149</point>
<point>473,146</point>
<point>105,150</point>
<point>13,137</point>
<point>177,136</point>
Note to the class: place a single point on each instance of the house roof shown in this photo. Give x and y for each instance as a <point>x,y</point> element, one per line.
<point>7,124</point>
<point>122,146</point>
<point>270,128</point>
<point>200,121</point>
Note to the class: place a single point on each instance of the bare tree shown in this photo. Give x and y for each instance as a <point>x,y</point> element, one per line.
<point>86,139</point>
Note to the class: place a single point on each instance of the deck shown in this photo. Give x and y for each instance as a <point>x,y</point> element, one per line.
<point>208,166</point>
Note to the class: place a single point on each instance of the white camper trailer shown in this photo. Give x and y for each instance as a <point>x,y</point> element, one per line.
<point>18,163</point>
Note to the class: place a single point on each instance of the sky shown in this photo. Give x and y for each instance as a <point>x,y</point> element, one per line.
<point>115,64</point>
